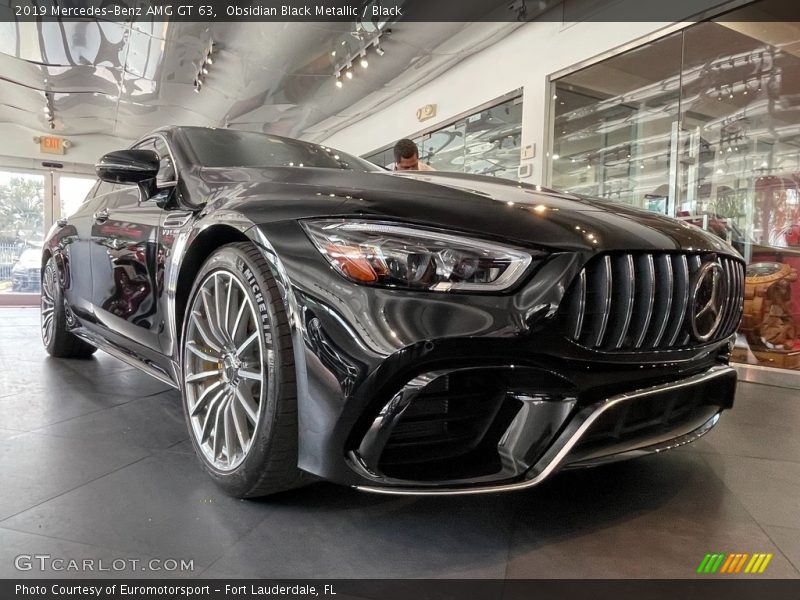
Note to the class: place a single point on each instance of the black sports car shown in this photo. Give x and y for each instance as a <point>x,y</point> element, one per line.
<point>409,333</point>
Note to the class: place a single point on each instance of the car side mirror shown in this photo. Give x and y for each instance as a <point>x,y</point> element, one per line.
<point>128,166</point>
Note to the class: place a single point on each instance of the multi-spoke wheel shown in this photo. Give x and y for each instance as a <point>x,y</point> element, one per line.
<point>48,304</point>
<point>58,341</point>
<point>238,378</point>
<point>224,369</point>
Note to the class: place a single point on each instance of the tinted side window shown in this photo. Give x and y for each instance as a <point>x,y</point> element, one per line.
<point>166,170</point>
<point>104,188</point>
<point>92,192</point>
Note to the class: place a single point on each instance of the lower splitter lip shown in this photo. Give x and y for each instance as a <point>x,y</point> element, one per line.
<point>557,456</point>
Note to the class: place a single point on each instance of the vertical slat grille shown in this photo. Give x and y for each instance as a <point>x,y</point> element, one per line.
<point>680,269</point>
<point>645,295</point>
<point>735,281</point>
<point>640,301</point>
<point>663,300</point>
<point>626,293</point>
<point>578,308</point>
<point>600,292</point>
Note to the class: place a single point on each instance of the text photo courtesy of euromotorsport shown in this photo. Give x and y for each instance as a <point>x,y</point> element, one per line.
<point>209,11</point>
<point>176,590</point>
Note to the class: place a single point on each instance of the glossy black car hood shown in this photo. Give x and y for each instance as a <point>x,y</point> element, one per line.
<point>489,207</point>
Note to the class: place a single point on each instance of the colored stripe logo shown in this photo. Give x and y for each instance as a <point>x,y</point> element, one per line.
<point>732,563</point>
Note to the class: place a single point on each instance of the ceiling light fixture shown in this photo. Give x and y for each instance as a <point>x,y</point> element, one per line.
<point>49,111</point>
<point>360,56</point>
<point>203,69</point>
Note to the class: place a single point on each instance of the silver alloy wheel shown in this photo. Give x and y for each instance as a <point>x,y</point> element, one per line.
<point>223,370</point>
<point>48,305</point>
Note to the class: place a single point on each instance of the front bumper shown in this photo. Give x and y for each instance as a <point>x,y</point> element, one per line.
<point>701,398</point>
<point>415,392</point>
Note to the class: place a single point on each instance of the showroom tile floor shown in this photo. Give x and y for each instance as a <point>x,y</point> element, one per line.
<point>95,463</point>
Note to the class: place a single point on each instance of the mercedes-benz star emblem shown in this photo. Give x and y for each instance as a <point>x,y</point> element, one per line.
<point>707,301</point>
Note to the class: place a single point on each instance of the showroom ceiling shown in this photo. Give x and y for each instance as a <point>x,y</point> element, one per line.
<point>124,79</point>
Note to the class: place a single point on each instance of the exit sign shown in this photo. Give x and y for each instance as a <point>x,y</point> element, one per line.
<point>50,144</point>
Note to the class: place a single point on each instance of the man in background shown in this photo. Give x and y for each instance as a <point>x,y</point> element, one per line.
<point>406,158</point>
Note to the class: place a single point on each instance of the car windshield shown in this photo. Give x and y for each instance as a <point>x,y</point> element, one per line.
<point>226,148</point>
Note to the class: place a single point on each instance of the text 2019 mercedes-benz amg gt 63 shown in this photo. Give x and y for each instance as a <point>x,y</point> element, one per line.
<point>400,332</point>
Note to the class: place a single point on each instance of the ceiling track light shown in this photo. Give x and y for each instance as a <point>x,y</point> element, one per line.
<point>49,111</point>
<point>360,57</point>
<point>203,69</point>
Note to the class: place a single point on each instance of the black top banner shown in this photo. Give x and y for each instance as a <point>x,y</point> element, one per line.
<point>400,589</point>
<point>387,11</point>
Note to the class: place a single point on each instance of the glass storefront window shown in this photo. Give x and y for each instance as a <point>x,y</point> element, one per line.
<point>21,231</point>
<point>485,143</point>
<point>444,149</point>
<point>703,125</point>
<point>739,168</point>
<point>613,125</point>
<point>72,191</point>
<point>493,141</point>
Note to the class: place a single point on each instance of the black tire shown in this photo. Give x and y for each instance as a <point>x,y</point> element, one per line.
<point>270,464</point>
<point>57,340</point>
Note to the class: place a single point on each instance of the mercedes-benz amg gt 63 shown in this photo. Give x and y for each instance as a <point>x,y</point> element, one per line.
<point>399,332</point>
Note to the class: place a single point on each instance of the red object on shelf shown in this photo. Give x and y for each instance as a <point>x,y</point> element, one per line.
<point>793,236</point>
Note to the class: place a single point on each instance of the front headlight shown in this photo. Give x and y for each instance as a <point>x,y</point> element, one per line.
<point>396,255</point>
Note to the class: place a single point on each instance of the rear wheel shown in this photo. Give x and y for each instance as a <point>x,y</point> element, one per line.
<point>239,385</point>
<point>58,341</point>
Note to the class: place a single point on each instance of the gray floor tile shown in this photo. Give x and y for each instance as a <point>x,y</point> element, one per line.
<point>36,467</point>
<point>652,518</point>
<point>110,471</point>
<point>29,556</point>
<point>768,489</point>
<point>788,540</point>
<point>35,408</point>
<point>164,506</point>
<point>58,374</point>
<point>156,423</point>
<point>762,424</point>
<point>328,531</point>
<point>184,447</point>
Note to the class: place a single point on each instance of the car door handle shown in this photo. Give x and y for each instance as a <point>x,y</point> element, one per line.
<point>101,216</point>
